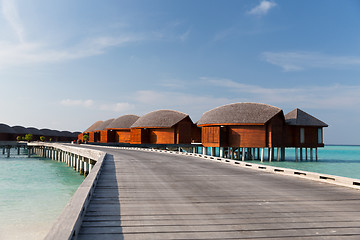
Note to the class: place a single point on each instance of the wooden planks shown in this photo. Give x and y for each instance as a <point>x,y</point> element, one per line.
<point>147,195</point>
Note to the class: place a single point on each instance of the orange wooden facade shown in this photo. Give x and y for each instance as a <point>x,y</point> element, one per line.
<point>183,132</point>
<point>269,134</point>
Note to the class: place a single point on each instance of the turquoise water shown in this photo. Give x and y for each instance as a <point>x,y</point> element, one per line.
<point>335,160</point>
<point>33,192</point>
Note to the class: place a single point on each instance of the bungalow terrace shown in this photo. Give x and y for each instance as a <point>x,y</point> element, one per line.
<point>118,131</point>
<point>163,127</point>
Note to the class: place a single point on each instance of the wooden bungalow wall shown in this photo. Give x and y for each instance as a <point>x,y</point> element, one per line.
<point>122,136</point>
<point>276,131</point>
<point>310,137</point>
<point>91,137</point>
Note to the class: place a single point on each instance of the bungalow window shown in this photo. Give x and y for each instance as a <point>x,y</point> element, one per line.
<point>320,139</point>
<point>302,135</point>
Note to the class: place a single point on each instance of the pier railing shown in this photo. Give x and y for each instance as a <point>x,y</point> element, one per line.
<point>320,177</point>
<point>68,224</point>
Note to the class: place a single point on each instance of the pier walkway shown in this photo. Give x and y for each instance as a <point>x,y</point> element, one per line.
<point>150,195</point>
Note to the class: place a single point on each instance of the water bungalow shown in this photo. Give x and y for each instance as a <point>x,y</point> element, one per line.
<point>163,127</point>
<point>6,133</point>
<point>238,131</point>
<point>118,131</point>
<point>241,130</point>
<point>303,131</point>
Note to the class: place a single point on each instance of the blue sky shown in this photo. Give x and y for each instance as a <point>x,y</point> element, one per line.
<point>66,64</point>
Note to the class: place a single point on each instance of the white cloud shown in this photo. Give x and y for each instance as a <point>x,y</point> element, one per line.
<point>22,52</point>
<point>11,15</point>
<point>14,54</point>
<point>263,8</point>
<point>297,61</point>
<point>117,107</point>
<point>336,96</point>
<point>77,102</point>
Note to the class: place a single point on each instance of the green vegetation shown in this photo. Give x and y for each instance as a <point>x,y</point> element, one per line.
<point>42,138</point>
<point>85,138</point>
<point>28,137</point>
<point>18,138</point>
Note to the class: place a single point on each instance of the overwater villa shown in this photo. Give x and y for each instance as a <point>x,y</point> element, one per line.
<point>164,127</point>
<point>238,130</point>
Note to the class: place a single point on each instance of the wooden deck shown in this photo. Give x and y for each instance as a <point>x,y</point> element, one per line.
<point>149,195</point>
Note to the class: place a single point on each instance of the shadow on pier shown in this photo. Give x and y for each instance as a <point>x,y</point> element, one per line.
<point>103,216</point>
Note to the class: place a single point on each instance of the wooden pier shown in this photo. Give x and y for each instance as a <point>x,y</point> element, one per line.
<point>150,195</point>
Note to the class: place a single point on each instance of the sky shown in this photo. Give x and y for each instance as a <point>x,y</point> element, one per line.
<point>65,64</point>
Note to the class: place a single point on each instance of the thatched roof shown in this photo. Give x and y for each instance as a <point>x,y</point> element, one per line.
<point>50,133</point>
<point>35,131</point>
<point>239,113</point>
<point>104,125</point>
<point>94,126</point>
<point>123,122</point>
<point>6,129</point>
<point>297,117</point>
<point>160,118</point>
<point>21,130</point>
<point>66,134</point>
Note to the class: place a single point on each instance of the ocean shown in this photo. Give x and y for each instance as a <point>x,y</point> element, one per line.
<point>33,192</point>
<point>335,160</point>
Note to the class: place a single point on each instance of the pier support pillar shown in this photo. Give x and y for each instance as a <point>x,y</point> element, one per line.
<point>311,154</point>
<point>301,154</point>
<point>86,167</point>
<point>271,152</point>
<point>212,151</point>
<point>3,150</point>
<point>204,151</point>
<point>221,150</point>
<point>8,152</point>
<point>262,155</point>
<point>296,154</point>
<point>18,148</point>
<point>243,154</point>
<point>81,169</point>
<point>306,155</point>
<point>278,154</point>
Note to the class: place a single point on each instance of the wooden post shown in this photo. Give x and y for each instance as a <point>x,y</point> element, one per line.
<point>253,154</point>
<point>221,150</point>
<point>204,150</point>
<point>301,154</point>
<point>278,154</point>
<point>262,155</point>
<point>243,154</point>
<point>8,152</point>
<point>18,148</point>
<point>306,157</point>
<point>311,154</point>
